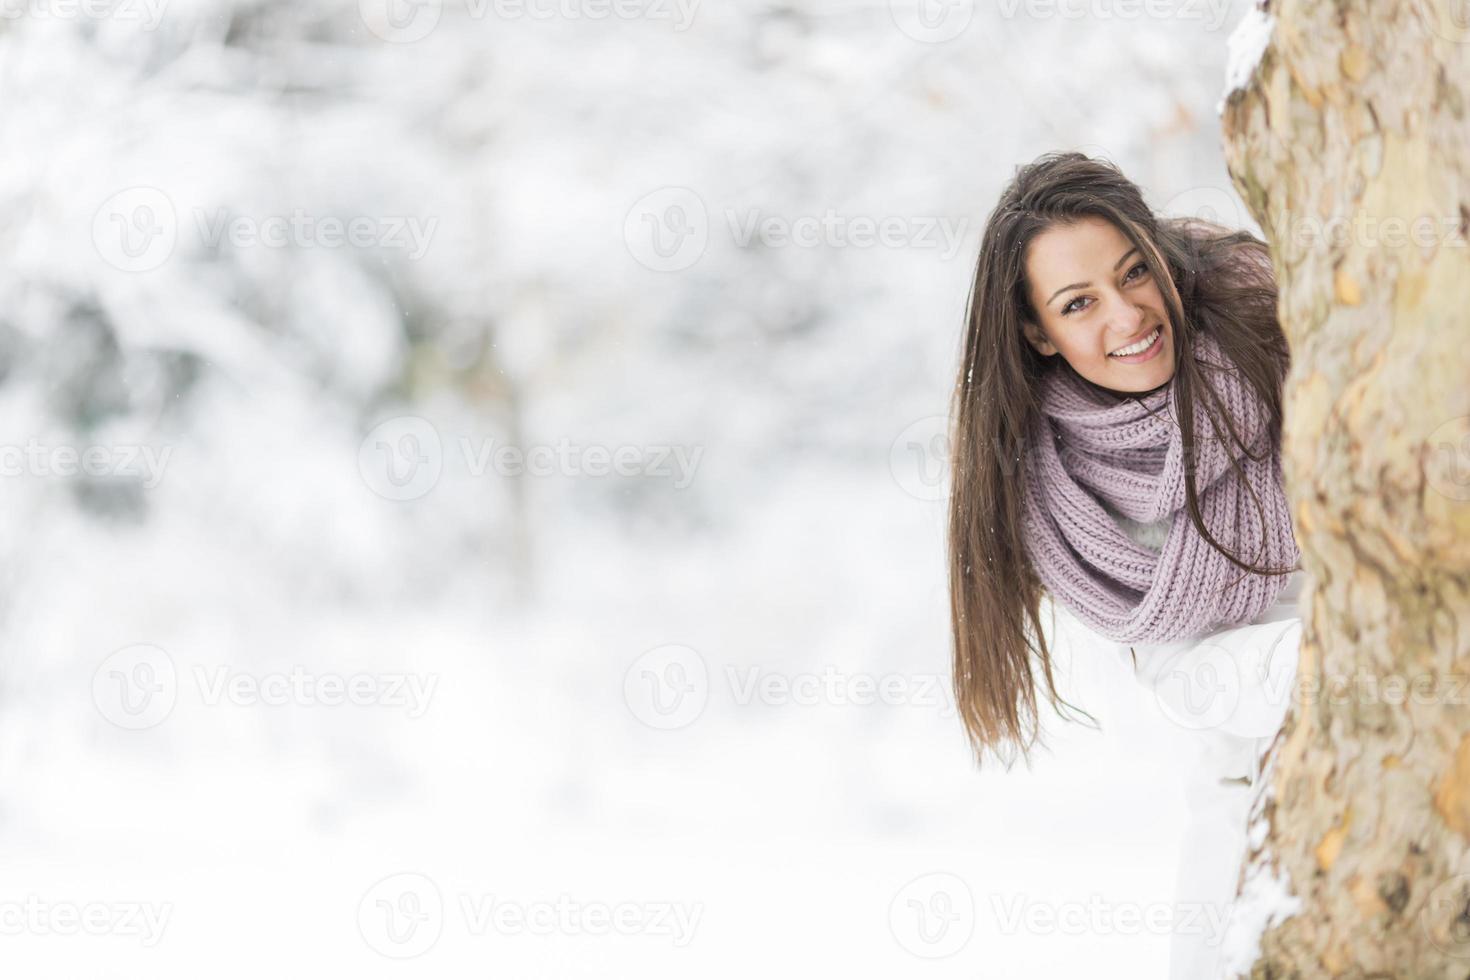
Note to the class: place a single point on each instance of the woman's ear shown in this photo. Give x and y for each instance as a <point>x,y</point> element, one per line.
<point>1038,339</point>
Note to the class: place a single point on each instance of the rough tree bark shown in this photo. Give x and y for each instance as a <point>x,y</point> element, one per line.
<point>1355,113</point>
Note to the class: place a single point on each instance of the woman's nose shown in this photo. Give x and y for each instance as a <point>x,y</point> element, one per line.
<point>1126,319</point>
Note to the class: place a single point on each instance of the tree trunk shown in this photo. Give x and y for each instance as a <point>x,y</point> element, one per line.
<point>1355,114</point>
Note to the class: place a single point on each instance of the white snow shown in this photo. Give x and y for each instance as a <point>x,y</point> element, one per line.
<point>1247,44</point>
<point>1265,899</point>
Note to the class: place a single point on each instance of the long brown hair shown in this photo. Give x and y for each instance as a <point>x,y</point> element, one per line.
<point>1212,279</point>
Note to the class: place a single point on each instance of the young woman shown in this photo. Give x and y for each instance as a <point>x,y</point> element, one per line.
<point>1116,450</point>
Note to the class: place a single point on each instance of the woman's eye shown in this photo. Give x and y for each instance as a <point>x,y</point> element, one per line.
<point>1137,272</point>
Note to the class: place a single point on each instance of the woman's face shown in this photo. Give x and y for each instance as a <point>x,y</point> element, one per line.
<point>1096,298</point>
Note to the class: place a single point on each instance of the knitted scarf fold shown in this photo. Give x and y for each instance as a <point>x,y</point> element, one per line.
<point>1131,455</point>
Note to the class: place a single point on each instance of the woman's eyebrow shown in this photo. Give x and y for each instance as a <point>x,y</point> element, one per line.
<point>1084,285</point>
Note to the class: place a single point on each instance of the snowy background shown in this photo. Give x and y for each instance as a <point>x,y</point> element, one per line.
<point>474,496</point>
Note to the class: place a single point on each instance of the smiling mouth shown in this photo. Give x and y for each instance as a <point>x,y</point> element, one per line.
<point>1140,346</point>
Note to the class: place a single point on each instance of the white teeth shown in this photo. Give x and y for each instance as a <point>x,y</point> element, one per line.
<point>1137,348</point>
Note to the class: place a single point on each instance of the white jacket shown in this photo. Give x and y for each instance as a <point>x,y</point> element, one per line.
<point>1232,687</point>
<point>1229,691</point>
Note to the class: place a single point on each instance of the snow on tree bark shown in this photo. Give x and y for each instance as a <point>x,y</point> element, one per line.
<point>1349,144</point>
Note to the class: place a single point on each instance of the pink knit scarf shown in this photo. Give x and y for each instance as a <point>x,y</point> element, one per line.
<point>1130,454</point>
